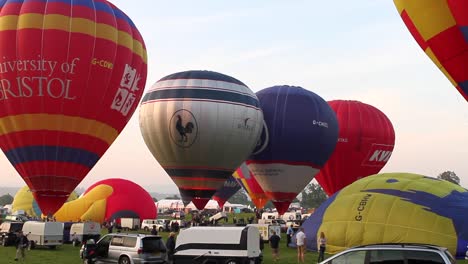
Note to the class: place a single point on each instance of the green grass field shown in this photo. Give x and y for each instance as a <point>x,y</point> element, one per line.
<point>67,254</point>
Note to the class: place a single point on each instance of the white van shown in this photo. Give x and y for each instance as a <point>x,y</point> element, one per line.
<point>211,244</point>
<point>80,232</point>
<point>49,234</point>
<point>130,223</point>
<point>270,215</point>
<point>291,216</point>
<point>266,230</point>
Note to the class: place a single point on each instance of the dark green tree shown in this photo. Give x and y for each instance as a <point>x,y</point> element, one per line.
<point>449,176</point>
<point>173,197</point>
<point>6,199</point>
<point>313,196</point>
<point>154,199</point>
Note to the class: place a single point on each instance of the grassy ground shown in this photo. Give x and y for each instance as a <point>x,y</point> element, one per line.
<point>67,254</point>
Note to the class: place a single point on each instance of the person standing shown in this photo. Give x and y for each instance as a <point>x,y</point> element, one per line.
<point>22,243</point>
<point>154,231</point>
<point>321,246</point>
<point>289,234</point>
<point>301,244</point>
<point>274,243</point>
<point>170,245</point>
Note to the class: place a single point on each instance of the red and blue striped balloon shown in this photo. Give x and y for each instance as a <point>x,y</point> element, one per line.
<point>71,76</point>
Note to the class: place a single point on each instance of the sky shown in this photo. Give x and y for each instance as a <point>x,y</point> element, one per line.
<point>351,50</point>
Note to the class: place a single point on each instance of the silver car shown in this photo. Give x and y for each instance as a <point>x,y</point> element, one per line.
<point>130,249</point>
<point>393,253</point>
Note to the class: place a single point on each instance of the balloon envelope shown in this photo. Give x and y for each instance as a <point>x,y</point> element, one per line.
<point>365,144</point>
<point>439,27</point>
<point>302,133</point>
<point>109,200</point>
<point>200,126</point>
<point>230,187</point>
<point>393,208</point>
<point>247,180</point>
<point>69,83</point>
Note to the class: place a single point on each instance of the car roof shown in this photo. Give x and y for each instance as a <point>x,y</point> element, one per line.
<point>402,245</point>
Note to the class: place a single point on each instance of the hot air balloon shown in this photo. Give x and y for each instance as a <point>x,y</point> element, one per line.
<point>439,27</point>
<point>230,187</point>
<point>69,83</point>
<point>365,143</point>
<point>200,126</point>
<point>247,180</point>
<point>393,208</point>
<point>302,134</point>
<point>108,200</point>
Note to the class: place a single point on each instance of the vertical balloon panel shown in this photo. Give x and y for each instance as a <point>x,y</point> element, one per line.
<point>69,84</point>
<point>230,187</point>
<point>200,126</point>
<point>247,180</point>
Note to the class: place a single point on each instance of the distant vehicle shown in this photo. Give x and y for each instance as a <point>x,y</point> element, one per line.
<point>86,230</point>
<point>393,253</point>
<point>147,224</point>
<point>16,218</point>
<point>270,215</point>
<point>266,230</point>
<point>219,216</point>
<point>178,214</point>
<point>8,232</point>
<point>291,216</point>
<point>279,222</point>
<point>203,244</point>
<point>49,234</point>
<point>130,223</point>
<point>130,249</point>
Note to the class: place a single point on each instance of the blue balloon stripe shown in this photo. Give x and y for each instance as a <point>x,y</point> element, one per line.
<point>202,75</point>
<point>215,174</point>
<point>464,86</point>
<point>204,94</point>
<point>52,153</point>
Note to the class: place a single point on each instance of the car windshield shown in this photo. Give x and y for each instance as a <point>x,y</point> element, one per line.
<point>452,259</point>
<point>153,245</point>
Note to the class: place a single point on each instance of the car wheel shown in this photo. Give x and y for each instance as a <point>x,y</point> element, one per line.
<point>231,261</point>
<point>124,260</point>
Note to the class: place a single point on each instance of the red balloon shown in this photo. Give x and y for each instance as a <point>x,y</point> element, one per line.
<point>71,76</point>
<point>365,144</point>
<point>128,200</point>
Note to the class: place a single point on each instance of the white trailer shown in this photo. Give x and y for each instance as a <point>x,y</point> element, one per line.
<point>130,223</point>
<point>80,232</point>
<point>266,230</point>
<point>49,234</point>
<point>233,245</point>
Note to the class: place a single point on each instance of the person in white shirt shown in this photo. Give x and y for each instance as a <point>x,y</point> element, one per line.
<point>301,244</point>
<point>321,245</point>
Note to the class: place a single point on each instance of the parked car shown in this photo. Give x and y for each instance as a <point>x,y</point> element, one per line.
<point>130,249</point>
<point>147,224</point>
<point>393,253</point>
<point>8,231</point>
<point>16,218</point>
<point>178,214</point>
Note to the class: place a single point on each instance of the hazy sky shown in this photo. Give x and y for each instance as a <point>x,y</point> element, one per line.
<point>354,50</point>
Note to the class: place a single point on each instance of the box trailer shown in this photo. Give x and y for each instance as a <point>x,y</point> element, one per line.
<point>130,223</point>
<point>81,232</point>
<point>266,230</point>
<point>49,234</point>
<point>218,245</point>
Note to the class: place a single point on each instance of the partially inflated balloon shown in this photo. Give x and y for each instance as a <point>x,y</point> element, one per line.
<point>71,76</point>
<point>365,144</point>
<point>393,208</point>
<point>302,134</point>
<point>247,180</point>
<point>439,27</point>
<point>200,126</point>
<point>230,187</point>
